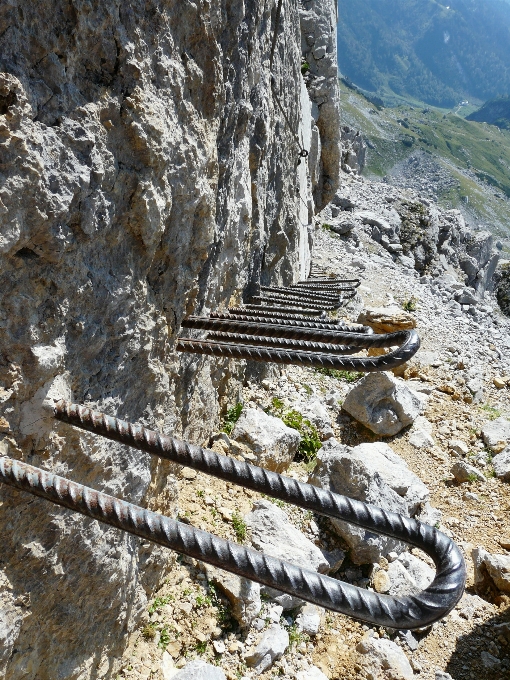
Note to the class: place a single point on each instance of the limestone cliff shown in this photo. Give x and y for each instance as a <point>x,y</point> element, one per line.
<point>146,172</point>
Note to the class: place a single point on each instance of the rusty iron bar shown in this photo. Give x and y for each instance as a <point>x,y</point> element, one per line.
<point>409,612</point>
<point>287,299</point>
<point>241,314</point>
<point>385,362</point>
<point>355,283</point>
<point>297,330</point>
<point>310,311</point>
<point>303,293</point>
<point>283,343</point>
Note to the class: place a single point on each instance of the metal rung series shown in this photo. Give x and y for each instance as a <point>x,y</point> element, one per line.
<point>409,612</point>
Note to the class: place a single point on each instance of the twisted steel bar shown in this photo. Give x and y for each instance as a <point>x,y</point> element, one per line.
<point>329,281</point>
<point>385,362</point>
<point>241,314</point>
<point>288,299</point>
<point>409,612</point>
<point>302,331</point>
<point>326,288</point>
<point>310,311</point>
<point>303,293</point>
<point>283,343</point>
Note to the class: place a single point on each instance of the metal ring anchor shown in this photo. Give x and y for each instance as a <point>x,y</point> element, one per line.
<point>409,612</point>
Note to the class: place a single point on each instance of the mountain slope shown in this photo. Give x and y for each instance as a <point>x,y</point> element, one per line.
<point>426,50</point>
<point>459,163</point>
<point>494,112</point>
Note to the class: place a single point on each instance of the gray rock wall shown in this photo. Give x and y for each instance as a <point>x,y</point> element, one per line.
<point>145,173</point>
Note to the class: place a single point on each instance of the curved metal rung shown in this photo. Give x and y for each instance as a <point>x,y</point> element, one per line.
<point>385,362</point>
<point>303,293</point>
<point>310,311</point>
<point>409,612</point>
<point>241,314</point>
<point>304,331</point>
<point>288,299</point>
<point>281,343</point>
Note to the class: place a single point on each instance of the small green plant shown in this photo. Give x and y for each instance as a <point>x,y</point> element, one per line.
<point>305,67</point>
<point>200,493</point>
<point>201,647</point>
<point>310,440</point>
<point>410,304</point>
<point>472,477</point>
<point>159,603</point>
<point>203,601</point>
<point>492,412</point>
<point>149,632</point>
<point>347,376</point>
<point>164,638</point>
<point>239,526</point>
<point>308,389</point>
<point>231,418</point>
<point>296,636</point>
<point>326,227</point>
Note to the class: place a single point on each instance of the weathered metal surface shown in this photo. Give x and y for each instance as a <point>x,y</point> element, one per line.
<point>283,343</point>
<point>241,314</point>
<point>302,330</point>
<point>386,362</point>
<point>408,612</point>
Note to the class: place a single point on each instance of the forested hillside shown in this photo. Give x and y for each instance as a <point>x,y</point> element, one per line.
<point>436,53</point>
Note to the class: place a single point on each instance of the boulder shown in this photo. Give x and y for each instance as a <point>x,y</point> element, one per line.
<point>270,647</point>
<point>273,534</point>
<point>200,670</point>
<point>243,594</point>
<point>382,654</point>
<point>339,471</point>
<point>492,569</point>
<point>383,403</point>
<point>496,434</point>
<point>271,441</point>
<point>463,472</point>
<point>387,319</point>
<point>501,464</point>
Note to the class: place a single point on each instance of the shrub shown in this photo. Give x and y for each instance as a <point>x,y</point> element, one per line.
<point>231,418</point>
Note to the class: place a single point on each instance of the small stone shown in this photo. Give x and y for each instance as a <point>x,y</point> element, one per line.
<point>442,675</point>
<point>269,649</point>
<point>385,654</point>
<point>167,666</point>
<point>469,496</point>
<point>382,581</point>
<point>489,661</point>
<point>496,434</point>
<point>492,568</point>
<point>199,670</point>
<point>499,383</point>
<point>501,464</point>
<point>309,620</point>
<point>188,473</point>
<point>311,673</point>
<point>421,439</point>
<point>174,649</point>
<point>459,447</point>
<point>505,542</point>
<point>463,472</point>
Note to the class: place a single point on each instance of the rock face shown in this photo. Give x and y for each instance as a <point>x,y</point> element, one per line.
<point>383,404</point>
<point>271,441</point>
<point>147,173</point>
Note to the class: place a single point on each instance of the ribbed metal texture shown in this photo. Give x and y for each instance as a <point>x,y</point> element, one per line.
<point>287,320</point>
<point>408,612</point>
<point>314,360</point>
<point>282,343</point>
<point>288,299</point>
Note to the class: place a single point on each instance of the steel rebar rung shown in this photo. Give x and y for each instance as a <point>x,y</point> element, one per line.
<point>282,319</point>
<point>404,613</point>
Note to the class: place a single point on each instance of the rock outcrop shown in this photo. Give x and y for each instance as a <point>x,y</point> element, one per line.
<point>147,173</point>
